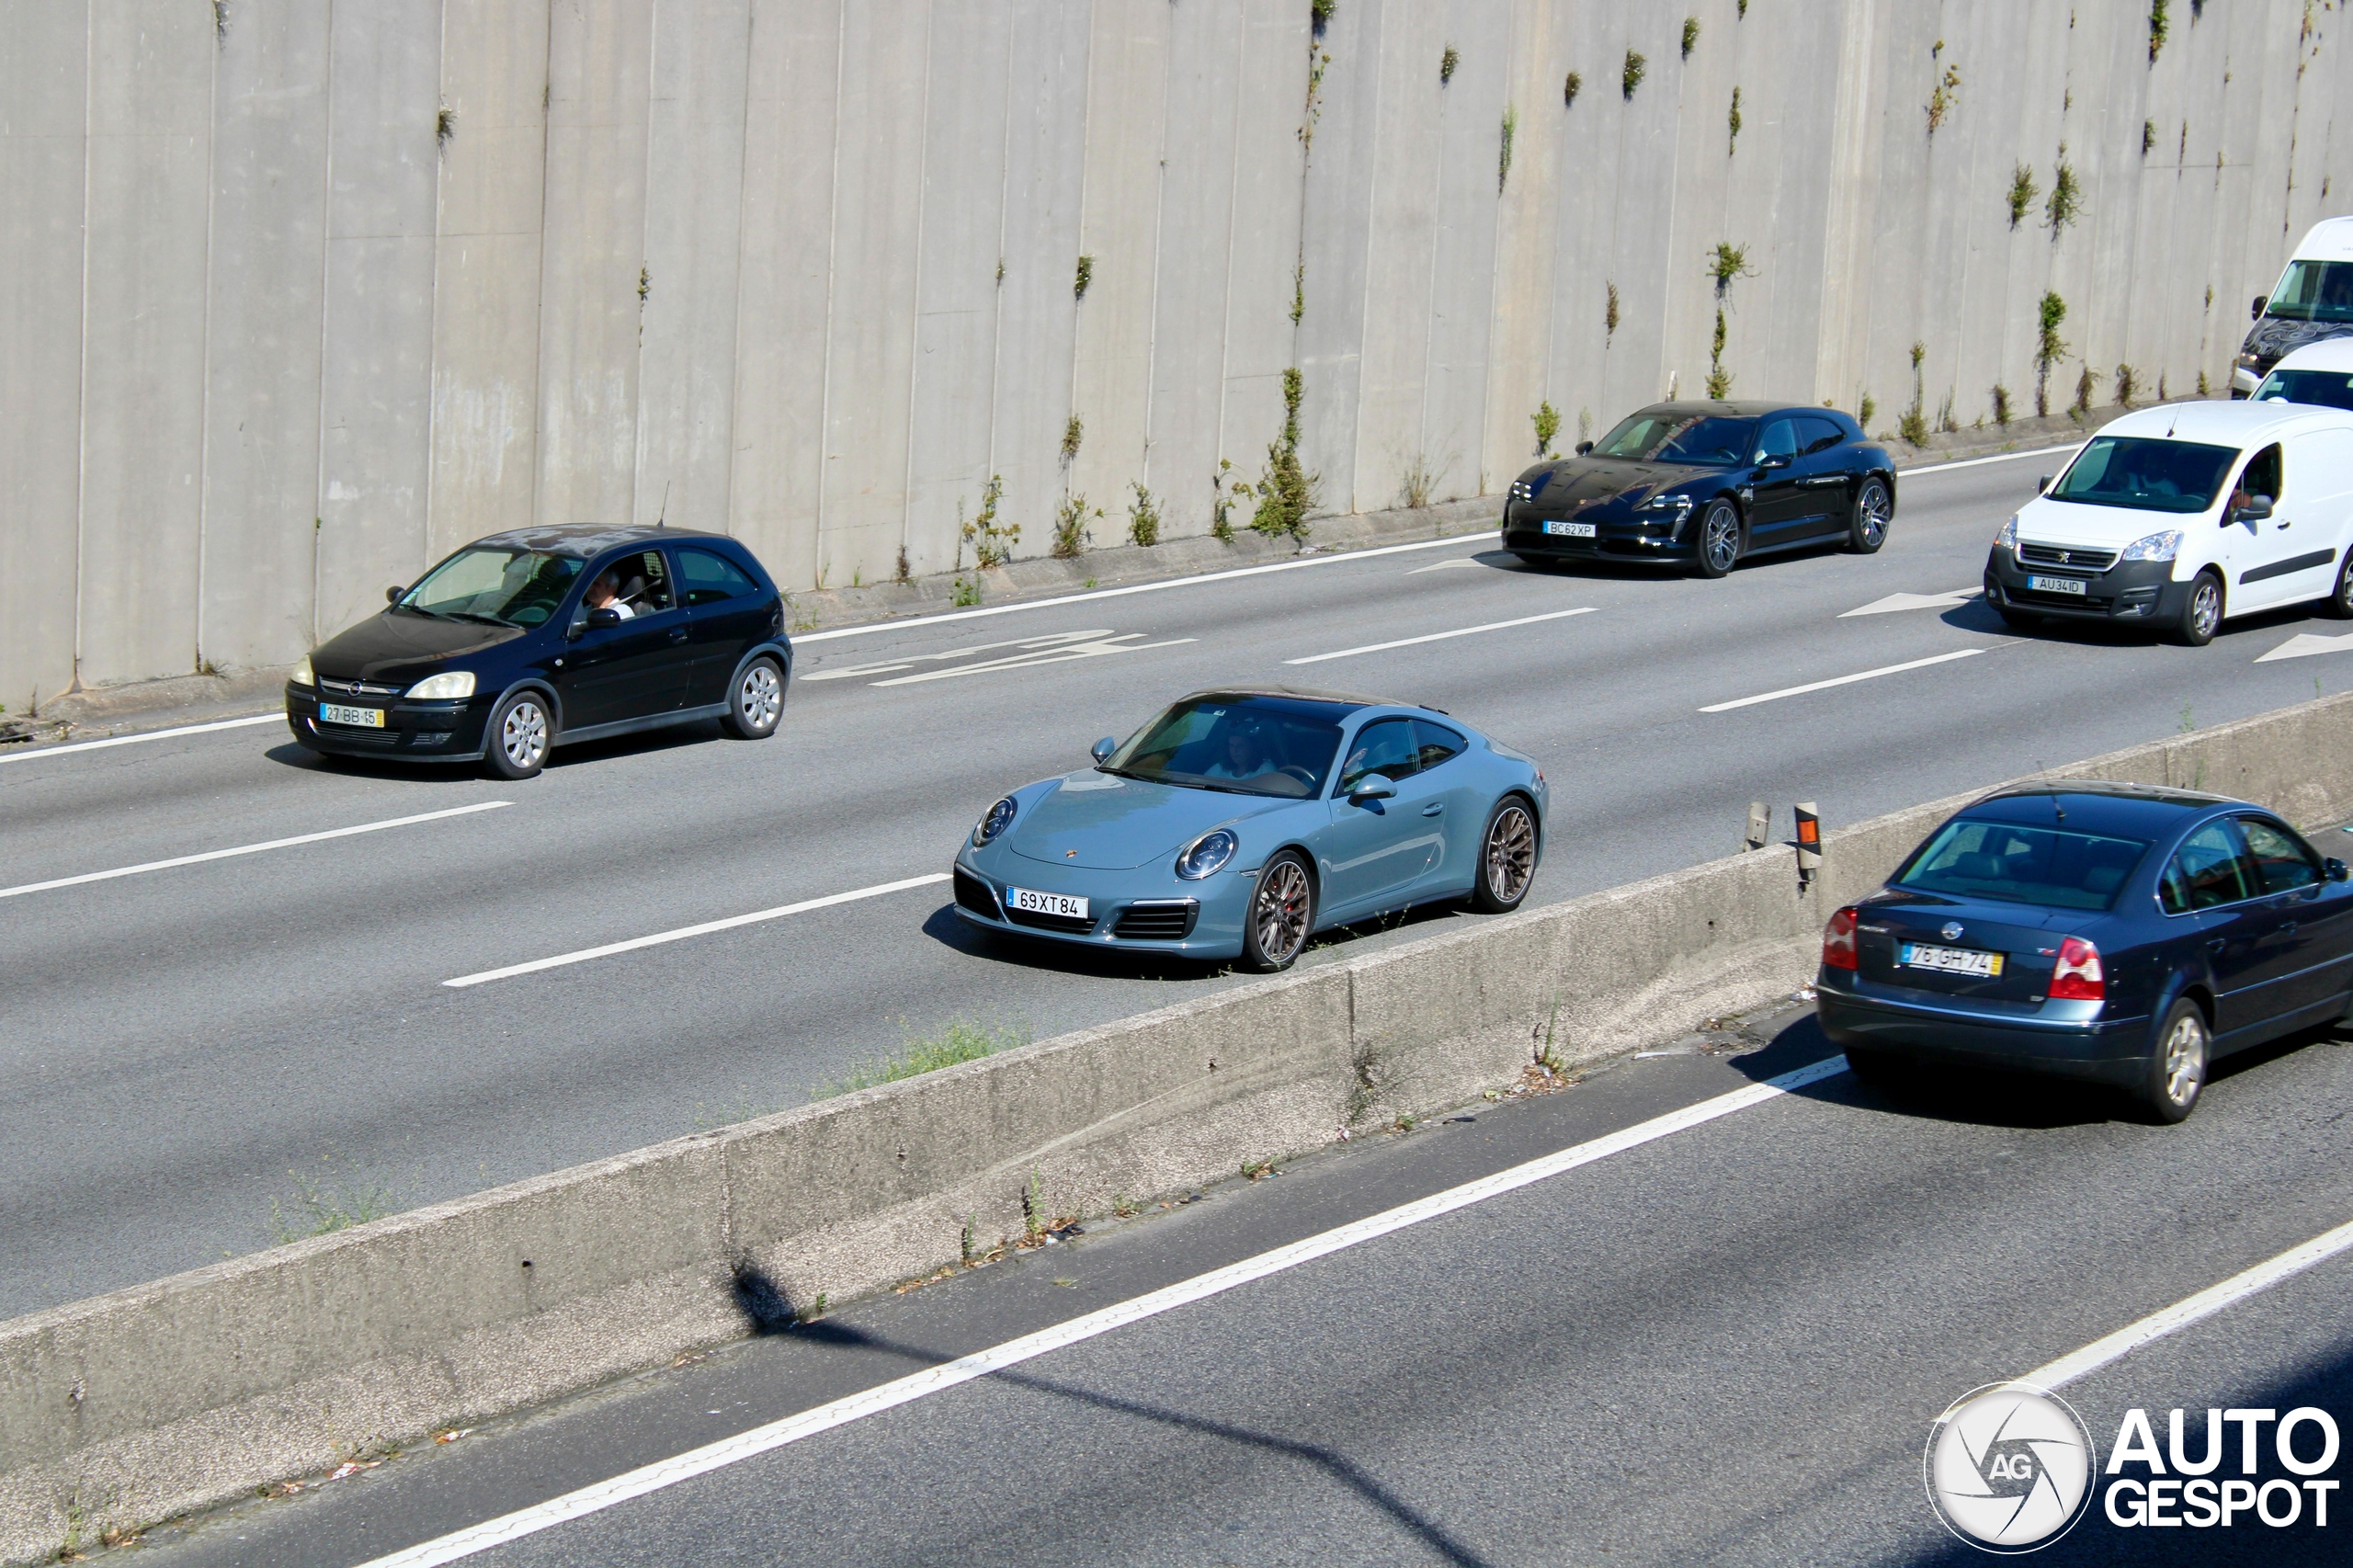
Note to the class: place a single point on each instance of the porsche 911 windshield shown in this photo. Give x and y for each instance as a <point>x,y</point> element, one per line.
<point>1709,438</point>
<point>511,587</point>
<point>1249,745</point>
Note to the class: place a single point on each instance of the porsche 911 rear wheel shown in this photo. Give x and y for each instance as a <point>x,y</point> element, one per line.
<point>1506,858</point>
<point>1282,912</point>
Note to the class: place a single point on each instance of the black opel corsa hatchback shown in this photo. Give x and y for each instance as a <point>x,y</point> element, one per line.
<point>1704,486</point>
<point>534,639</point>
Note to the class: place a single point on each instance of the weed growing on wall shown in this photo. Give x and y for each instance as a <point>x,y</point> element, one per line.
<point>1865,410</point>
<point>2127,384</point>
<point>1418,479</point>
<point>903,575</point>
<point>1942,97</point>
<point>1946,422</point>
<point>1446,64</point>
<point>340,1195</point>
<point>2066,202</point>
<point>2157,27</point>
<point>2205,388</point>
<point>445,125</point>
<point>992,542</point>
<point>1571,85</point>
<point>1732,124</point>
<point>1286,492</point>
<point>1073,434</point>
<point>1085,275</point>
<point>1610,315</point>
<point>2023,190</point>
<point>2001,404</point>
<point>1548,424</point>
<point>2049,348</point>
<point>1144,517</point>
<point>958,1041</point>
<point>1631,76</point>
<point>2084,387</point>
<point>1691,35</point>
<point>1503,161</point>
<point>2148,136</point>
<point>1071,532</point>
<point>1223,488</point>
<point>1319,13</point>
<point>1912,424</point>
<point>1298,292</point>
<point>1725,263</point>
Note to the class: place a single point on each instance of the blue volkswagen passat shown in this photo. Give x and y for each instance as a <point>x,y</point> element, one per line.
<point>1237,823</point>
<point>2108,932</point>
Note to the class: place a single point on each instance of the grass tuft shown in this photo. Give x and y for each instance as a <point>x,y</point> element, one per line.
<point>959,1041</point>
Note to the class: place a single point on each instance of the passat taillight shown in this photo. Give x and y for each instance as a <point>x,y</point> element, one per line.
<point>1839,941</point>
<point>2077,977</point>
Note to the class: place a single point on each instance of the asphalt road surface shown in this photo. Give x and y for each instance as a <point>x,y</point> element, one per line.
<point>1723,1344</point>
<point>197,1057</point>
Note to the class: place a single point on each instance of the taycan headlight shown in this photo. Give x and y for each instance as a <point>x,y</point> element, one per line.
<point>999,818</point>
<point>2155,547</point>
<point>2008,538</point>
<point>1680,506</point>
<point>302,675</point>
<point>1207,854</point>
<point>442,688</point>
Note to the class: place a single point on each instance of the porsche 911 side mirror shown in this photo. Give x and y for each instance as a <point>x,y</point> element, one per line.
<point>1101,750</point>
<point>1583,446</point>
<point>2335,867</point>
<point>392,595</point>
<point>1372,787</point>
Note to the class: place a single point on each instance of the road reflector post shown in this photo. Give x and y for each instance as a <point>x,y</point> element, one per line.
<point>1760,825</point>
<point>1809,842</point>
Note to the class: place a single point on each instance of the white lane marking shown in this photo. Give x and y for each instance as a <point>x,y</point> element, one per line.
<point>1440,566</point>
<point>2191,1308</point>
<point>1055,648</point>
<point>2305,644</point>
<point>912,621</point>
<point>275,718</point>
<point>683,932</point>
<point>1842,680</point>
<point>251,849</point>
<point>1121,645</point>
<point>1441,636</point>
<point>2069,449</point>
<point>1013,1352</point>
<point>1894,602</point>
<point>909,661</point>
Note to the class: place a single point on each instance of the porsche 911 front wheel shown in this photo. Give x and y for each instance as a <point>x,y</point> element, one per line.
<point>1282,912</point>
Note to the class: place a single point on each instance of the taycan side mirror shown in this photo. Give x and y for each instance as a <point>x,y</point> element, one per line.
<point>608,615</point>
<point>392,595</point>
<point>2260,302</point>
<point>1372,787</point>
<point>1773,460</point>
<point>2257,508</point>
<point>1583,446</point>
<point>1101,750</point>
<point>2335,867</point>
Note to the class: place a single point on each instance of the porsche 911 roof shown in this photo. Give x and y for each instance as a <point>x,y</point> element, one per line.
<point>1303,694</point>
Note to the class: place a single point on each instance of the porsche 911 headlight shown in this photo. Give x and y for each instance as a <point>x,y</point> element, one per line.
<point>444,687</point>
<point>1207,854</point>
<point>2155,547</point>
<point>999,818</point>
<point>2008,538</point>
<point>302,675</point>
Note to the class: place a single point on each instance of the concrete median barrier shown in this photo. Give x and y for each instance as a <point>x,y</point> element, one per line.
<point>189,1391</point>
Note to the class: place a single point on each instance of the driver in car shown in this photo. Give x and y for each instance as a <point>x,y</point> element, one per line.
<point>604,594</point>
<point>1245,756</point>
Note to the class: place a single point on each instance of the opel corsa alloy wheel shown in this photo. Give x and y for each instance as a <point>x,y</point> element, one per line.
<point>758,702</point>
<point>1507,858</point>
<point>519,739</point>
<point>1282,910</point>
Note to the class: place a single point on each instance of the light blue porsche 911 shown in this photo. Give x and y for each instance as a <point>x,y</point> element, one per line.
<point>1237,823</point>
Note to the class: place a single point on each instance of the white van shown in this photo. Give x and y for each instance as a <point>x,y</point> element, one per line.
<point>2179,516</point>
<point>2319,373</point>
<point>2313,301</point>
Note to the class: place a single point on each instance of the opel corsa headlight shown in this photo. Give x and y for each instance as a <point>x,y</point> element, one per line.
<point>999,818</point>
<point>2155,547</point>
<point>302,675</point>
<point>2008,538</point>
<point>1207,854</point>
<point>442,688</point>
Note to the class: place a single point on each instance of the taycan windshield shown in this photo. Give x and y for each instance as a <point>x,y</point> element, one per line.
<point>2145,474</point>
<point>1696,439</point>
<point>510,587</point>
<point>1247,745</point>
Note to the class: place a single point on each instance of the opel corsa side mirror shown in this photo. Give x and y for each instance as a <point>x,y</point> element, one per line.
<point>1583,446</point>
<point>2260,300</point>
<point>2335,867</point>
<point>1372,787</point>
<point>608,615</point>
<point>392,595</point>
<point>1101,750</point>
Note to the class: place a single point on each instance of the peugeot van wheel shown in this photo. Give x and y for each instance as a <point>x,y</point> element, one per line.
<point>2202,612</point>
<point>2339,602</point>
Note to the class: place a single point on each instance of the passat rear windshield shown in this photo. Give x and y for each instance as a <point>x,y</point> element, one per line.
<point>1709,438</point>
<point>2147,474</point>
<point>1246,746</point>
<point>2328,389</point>
<point>2049,865</point>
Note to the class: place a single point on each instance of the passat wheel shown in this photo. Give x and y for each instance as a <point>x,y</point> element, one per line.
<point>1282,912</point>
<point>1719,539</point>
<point>518,736</point>
<point>1866,528</point>
<point>2202,612</point>
<point>2177,1070</point>
<point>757,702</point>
<point>1506,858</point>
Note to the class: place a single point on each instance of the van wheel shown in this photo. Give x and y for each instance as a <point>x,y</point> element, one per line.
<point>2177,1070</point>
<point>2339,602</point>
<point>2202,612</point>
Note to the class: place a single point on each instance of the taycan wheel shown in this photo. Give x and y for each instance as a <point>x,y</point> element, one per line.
<point>1506,858</point>
<point>2202,612</point>
<point>757,704</point>
<point>1719,539</point>
<point>2177,1071</point>
<point>1283,913</point>
<point>519,732</point>
<point>1866,528</point>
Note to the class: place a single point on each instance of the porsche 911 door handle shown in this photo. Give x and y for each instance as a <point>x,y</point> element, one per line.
<point>1433,808</point>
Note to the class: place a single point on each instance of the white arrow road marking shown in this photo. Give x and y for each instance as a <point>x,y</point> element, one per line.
<point>2303,645</point>
<point>1442,565</point>
<point>1052,649</point>
<point>1916,601</point>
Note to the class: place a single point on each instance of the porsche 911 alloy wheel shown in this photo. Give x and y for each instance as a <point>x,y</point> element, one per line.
<point>1282,911</point>
<point>1506,858</point>
<point>518,736</point>
<point>756,703</point>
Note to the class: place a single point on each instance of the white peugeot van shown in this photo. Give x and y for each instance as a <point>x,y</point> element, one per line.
<point>2179,515</point>
<point>2313,301</point>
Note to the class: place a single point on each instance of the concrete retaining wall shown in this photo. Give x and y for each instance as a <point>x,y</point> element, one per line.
<point>190,1391</point>
<point>296,297</point>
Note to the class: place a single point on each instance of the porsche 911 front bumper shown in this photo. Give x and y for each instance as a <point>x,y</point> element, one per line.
<point>1130,911</point>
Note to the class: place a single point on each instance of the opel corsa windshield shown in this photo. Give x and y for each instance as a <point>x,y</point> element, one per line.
<point>510,587</point>
<point>2001,860</point>
<point>2149,475</point>
<point>1249,745</point>
<point>1707,439</point>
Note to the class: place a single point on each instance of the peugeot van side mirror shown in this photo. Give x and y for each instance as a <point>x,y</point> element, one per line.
<point>1101,750</point>
<point>608,615</point>
<point>1372,787</point>
<point>2257,508</point>
<point>392,595</point>
<point>2335,867</point>
<point>2260,300</point>
<point>1583,446</point>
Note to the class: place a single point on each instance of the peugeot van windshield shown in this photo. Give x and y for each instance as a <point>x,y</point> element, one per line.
<point>2146,474</point>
